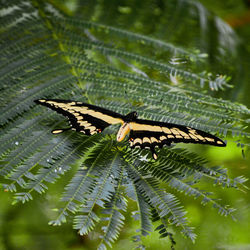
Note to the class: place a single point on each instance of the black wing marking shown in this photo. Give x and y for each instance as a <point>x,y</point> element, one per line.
<point>149,134</point>
<point>86,118</point>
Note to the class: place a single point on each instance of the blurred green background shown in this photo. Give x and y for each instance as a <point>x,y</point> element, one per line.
<point>25,226</point>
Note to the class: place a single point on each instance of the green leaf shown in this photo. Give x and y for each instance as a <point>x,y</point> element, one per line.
<point>46,54</point>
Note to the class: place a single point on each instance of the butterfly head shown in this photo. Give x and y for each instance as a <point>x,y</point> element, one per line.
<point>131,116</point>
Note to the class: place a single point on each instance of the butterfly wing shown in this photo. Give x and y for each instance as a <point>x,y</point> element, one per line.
<point>149,134</point>
<point>86,118</point>
<point>90,119</point>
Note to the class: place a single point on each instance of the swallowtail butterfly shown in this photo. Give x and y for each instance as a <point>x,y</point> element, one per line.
<point>90,119</point>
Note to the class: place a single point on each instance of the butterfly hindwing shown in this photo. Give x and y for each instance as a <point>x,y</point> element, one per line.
<point>86,118</point>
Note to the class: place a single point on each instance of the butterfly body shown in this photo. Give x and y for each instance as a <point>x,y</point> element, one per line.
<point>90,119</point>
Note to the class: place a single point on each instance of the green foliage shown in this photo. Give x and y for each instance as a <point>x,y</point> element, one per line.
<point>46,54</point>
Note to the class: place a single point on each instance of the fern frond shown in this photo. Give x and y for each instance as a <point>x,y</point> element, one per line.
<point>163,228</point>
<point>54,149</point>
<point>144,212</point>
<point>191,95</point>
<point>44,54</point>
<point>100,193</point>
<point>114,216</point>
<point>16,136</point>
<point>57,165</point>
<point>83,44</point>
<point>167,204</point>
<point>22,152</point>
<point>27,99</point>
<point>188,189</point>
<point>170,170</point>
<point>82,182</point>
<point>30,81</point>
<point>135,37</point>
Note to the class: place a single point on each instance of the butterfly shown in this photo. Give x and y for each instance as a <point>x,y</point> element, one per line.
<point>90,119</point>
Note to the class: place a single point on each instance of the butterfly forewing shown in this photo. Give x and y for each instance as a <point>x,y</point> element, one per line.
<point>86,118</point>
